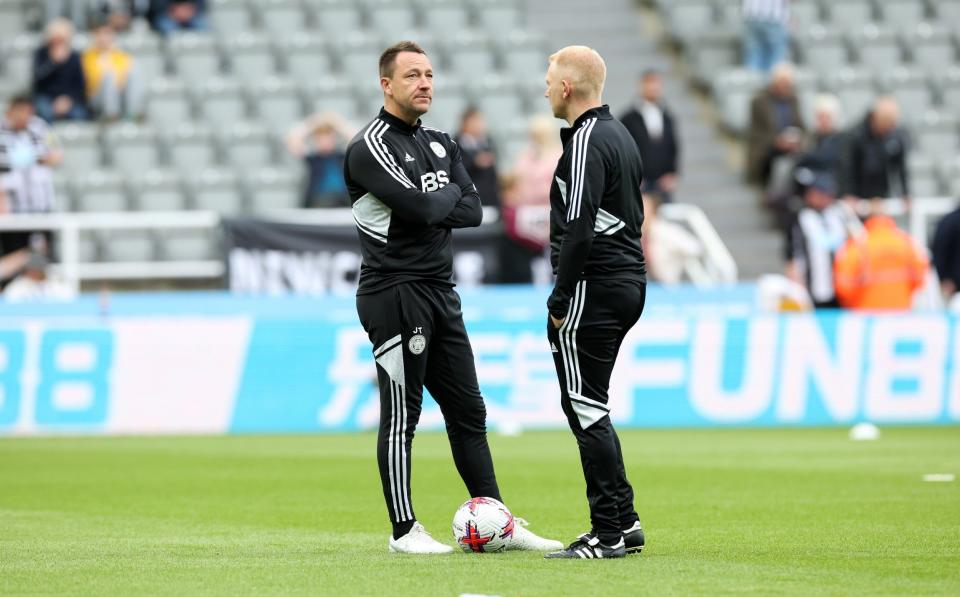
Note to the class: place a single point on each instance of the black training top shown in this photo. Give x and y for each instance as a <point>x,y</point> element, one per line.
<point>408,188</point>
<point>596,207</point>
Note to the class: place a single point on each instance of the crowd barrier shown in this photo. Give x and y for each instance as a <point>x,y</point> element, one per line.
<point>216,363</point>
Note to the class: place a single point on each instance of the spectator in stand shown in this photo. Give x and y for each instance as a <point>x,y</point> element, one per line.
<point>653,128</point>
<point>319,141</point>
<point>59,87</point>
<point>765,33</point>
<point>874,160</point>
<point>822,153</point>
<point>479,156</point>
<point>114,87</point>
<point>776,128</point>
<point>526,202</point>
<point>170,16</point>
<point>667,247</point>
<point>880,269</point>
<point>946,255</point>
<point>28,151</point>
<point>819,231</point>
<point>34,283</point>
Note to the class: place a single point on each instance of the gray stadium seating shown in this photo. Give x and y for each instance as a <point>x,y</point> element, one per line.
<point>822,49</point>
<point>132,148</point>
<point>306,56</point>
<point>497,16</point>
<point>282,17</point>
<point>168,103</point>
<point>444,15</point>
<point>187,245</point>
<point>12,18</point>
<point>217,190</point>
<point>157,190</point>
<point>272,188</point>
<point>246,146</point>
<point>849,14</point>
<point>191,146</point>
<point>221,102</point>
<point>99,190</point>
<point>278,102</point>
<point>17,57</point>
<point>194,56</point>
<point>230,16</point>
<point>336,95</point>
<point>878,49</point>
<point>337,16</point>
<point>81,143</point>
<point>386,17</point>
<point>250,56</point>
<point>128,245</point>
<point>902,13</point>
<point>931,47</point>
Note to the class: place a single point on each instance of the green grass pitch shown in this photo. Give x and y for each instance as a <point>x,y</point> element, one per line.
<point>768,512</point>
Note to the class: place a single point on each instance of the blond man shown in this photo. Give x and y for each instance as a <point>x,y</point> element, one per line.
<point>596,215</point>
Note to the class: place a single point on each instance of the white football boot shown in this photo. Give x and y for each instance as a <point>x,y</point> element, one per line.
<point>419,541</point>
<point>525,540</point>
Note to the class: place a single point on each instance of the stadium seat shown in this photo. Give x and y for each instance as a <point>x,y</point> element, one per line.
<point>498,98</point>
<point>99,190</point>
<point>358,53</point>
<point>188,245</point>
<point>283,17</point>
<point>822,49</point>
<point>910,88</point>
<point>444,15</point>
<point>246,146</point>
<point>805,13</point>
<point>948,85</point>
<point>497,16</point>
<point>132,148</point>
<point>81,144</point>
<point>855,89</point>
<point>128,245</point>
<point>12,18</point>
<point>222,102</point>
<point>272,188</point>
<point>195,56</point>
<point>157,190</point>
<point>525,55</point>
<point>470,53</point>
<point>924,181</point>
<point>148,57</point>
<point>230,17</point>
<point>733,91</point>
<point>306,56</point>
<point>337,95</point>
<point>902,14</point>
<point>89,247</point>
<point>936,133</point>
<point>878,49</point>
<point>449,101</point>
<point>191,146</point>
<point>688,19</point>
<point>335,17</point>
<point>216,190</point>
<point>168,103</point>
<point>712,54</point>
<point>17,57</point>
<point>278,102</point>
<point>849,14</point>
<point>389,16</point>
<point>931,47</point>
<point>947,11</point>
<point>250,56</point>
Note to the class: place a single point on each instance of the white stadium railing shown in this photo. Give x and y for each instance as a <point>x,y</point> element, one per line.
<point>714,266</point>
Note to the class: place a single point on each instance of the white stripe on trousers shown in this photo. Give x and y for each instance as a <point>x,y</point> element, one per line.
<point>568,339</point>
<point>399,462</point>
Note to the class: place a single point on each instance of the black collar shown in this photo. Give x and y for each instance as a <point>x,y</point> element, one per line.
<point>398,124</point>
<point>600,112</point>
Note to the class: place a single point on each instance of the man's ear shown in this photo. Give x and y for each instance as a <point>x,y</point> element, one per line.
<point>567,88</point>
<point>385,85</point>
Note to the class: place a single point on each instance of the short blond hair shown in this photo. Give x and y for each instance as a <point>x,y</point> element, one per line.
<point>59,28</point>
<point>583,67</point>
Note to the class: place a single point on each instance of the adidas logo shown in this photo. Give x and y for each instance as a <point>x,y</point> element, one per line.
<point>408,158</point>
<point>553,347</point>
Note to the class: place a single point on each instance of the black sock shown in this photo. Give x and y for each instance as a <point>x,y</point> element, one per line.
<point>402,528</point>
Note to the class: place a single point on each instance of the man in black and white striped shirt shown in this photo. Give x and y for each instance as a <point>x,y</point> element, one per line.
<point>28,150</point>
<point>765,34</point>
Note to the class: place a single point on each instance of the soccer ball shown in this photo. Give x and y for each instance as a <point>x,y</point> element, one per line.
<point>483,525</point>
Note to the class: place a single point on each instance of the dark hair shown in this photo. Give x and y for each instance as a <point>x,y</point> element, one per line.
<point>389,57</point>
<point>20,99</point>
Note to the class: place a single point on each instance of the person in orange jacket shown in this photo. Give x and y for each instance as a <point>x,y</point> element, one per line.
<point>881,269</point>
